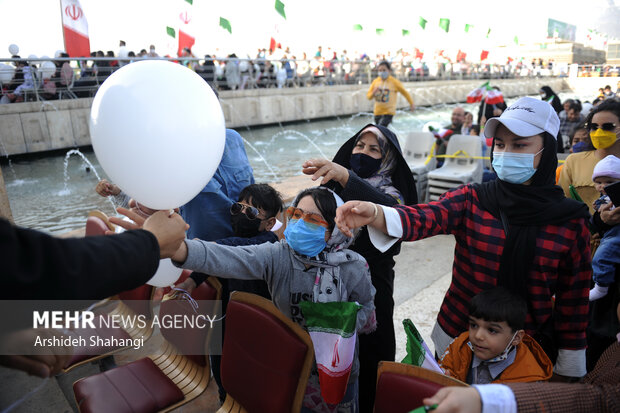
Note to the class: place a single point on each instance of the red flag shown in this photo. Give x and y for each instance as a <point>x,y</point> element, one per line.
<point>418,53</point>
<point>460,55</point>
<point>272,45</point>
<point>484,55</point>
<point>186,40</point>
<point>75,28</point>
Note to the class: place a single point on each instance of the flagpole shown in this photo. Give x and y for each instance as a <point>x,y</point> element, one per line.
<point>64,41</point>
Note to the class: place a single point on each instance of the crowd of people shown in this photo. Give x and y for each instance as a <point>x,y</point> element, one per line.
<point>534,290</point>
<point>276,67</point>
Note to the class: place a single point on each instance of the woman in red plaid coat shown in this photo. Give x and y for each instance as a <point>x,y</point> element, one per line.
<point>518,231</point>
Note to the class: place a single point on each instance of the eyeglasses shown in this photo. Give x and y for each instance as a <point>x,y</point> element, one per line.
<point>608,126</point>
<point>309,217</point>
<point>238,208</point>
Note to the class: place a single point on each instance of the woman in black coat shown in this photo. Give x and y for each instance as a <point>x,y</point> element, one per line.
<point>549,96</point>
<point>370,167</point>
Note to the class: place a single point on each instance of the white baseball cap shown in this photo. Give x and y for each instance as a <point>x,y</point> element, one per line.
<point>526,117</point>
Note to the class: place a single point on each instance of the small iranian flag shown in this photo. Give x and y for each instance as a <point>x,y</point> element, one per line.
<point>477,94</point>
<point>494,96</point>
<point>441,133</point>
<point>418,352</point>
<point>332,329</point>
<point>186,27</point>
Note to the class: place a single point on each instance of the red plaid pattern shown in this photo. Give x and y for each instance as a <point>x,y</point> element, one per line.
<point>561,266</point>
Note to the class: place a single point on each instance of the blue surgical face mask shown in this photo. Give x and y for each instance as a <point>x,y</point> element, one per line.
<point>515,168</point>
<point>306,239</point>
<point>383,75</point>
<point>580,147</point>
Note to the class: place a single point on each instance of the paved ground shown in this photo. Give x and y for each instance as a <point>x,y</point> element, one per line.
<point>422,277</point>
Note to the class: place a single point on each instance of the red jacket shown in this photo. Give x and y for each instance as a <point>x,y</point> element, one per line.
<point>531,363</point>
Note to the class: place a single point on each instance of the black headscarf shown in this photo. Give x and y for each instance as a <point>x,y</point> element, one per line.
<point>402,177</point>
<point>525,208</point>
<point>555,100</point>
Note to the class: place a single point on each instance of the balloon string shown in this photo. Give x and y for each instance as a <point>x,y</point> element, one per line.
<point>187,296</point>
<point>141,212</point>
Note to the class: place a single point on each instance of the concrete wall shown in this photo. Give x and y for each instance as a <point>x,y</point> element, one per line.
<point>42,126</point>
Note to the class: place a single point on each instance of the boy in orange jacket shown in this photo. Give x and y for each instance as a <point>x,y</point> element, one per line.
<point>496,348</point>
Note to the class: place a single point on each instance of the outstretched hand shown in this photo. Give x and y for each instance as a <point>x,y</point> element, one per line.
<point>355,214</point>
<point>169,229</point>
<point>327,169</point>
<point>455,400</point>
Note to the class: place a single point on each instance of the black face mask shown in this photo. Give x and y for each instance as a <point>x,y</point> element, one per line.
<point>243,226</point>
<point>363,165</point>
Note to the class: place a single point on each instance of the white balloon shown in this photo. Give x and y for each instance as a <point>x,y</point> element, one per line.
<point>32,56</point>
<point>166,275</point>
<point>14,49</point>
<point>47,69</point>
<point>158,131</point>
<point>6,73</point>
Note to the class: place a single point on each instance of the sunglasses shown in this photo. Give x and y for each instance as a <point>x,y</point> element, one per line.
<point>238,208</point>
<point>608,126</point>
<point>308,217</point>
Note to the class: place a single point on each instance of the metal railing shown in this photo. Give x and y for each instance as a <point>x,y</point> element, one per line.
<point>87,74</point>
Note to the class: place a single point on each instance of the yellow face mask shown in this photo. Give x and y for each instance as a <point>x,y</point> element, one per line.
<point>602,139</point>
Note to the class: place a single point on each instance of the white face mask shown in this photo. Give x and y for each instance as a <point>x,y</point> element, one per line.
<point>504,354</point>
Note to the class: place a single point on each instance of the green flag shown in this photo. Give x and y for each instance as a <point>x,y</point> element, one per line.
<point>422,22</point>
<point>225,24</point>
<point>171,32</point>
<point>516,40</point>
<point>467,27</point>
<point>358,27</point>
<point>488,32</point>
<point>190,2</point>
<point>379,31</point>
<point>444,24</point>
<point>280,9</point>
<point>405,32</point>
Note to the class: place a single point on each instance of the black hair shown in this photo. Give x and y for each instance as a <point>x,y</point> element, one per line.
<point>325,202</point>
<point>264,197</point>
<point>609,105</point>
<point>575,105</point>
<point>385,63</point>
<point>499,304</point>
<point>476,128</point>
<point>580,126</point>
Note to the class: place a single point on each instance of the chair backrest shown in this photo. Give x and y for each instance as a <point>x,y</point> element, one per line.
<point>466,143</point>
<point>417,147</point>
<point>266,358</point>
<point>97,223</point>
<point>192,342</point>
<point>402,387</point>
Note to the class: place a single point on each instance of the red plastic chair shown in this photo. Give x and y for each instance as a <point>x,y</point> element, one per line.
<point>266,358</point>
<point>402,387</point>
<point>157,383</point>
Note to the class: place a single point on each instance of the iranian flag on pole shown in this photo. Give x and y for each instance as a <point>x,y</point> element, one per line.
<point>186,38</point>
<point>494,96</point>
<point>418,353</point>
<point>476,94</point>
<point>75,28</point>
<point>332,329</point>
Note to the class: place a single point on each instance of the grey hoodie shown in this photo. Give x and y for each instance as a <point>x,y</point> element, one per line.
<point>288,279</point>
